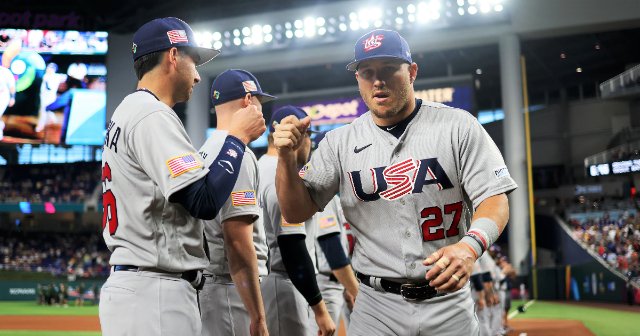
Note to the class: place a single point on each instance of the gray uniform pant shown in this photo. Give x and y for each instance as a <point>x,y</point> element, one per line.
<point>334,300</point>
<point>221,308</point>
<point>286,309</point>
<point>381,313</point>
<point>148,303</point>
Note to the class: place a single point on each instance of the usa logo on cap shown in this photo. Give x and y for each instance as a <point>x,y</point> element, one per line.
<point>249,86</point>
<point>177,36</point>
<point>373,42</point>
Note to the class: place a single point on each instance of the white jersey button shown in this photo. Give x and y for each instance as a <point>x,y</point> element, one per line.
<point>407,234</point>
<point>412,265</point>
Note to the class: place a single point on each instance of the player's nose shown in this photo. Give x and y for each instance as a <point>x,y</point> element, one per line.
<point>196,79</point>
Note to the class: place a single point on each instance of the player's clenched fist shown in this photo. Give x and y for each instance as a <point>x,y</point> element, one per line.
<point>289,133</point>
<point>247,124</point>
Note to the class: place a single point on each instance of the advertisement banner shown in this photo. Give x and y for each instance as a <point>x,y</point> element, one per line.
<point>345,110</point>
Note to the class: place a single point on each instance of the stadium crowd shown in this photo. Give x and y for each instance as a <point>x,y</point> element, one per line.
<point>63,183</point>
<point>71,255</point>
<point>613,234</point>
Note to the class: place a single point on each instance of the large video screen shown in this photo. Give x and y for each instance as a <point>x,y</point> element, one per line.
<point>52,87</point>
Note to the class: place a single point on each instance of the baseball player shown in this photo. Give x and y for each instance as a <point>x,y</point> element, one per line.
<point>231,302</point>
<point>7,94</point>
<point>487,301</point>
<point>290,288</point>
<point>334,267</point>
<point>48,94</point>
<point>477,293</point>
<point>422,185</point>
<point>157,191</point>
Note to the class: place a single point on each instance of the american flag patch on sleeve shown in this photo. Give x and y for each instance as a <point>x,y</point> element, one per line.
<point>246,197</point>
<point>182,164</point>
<point>326,222</point>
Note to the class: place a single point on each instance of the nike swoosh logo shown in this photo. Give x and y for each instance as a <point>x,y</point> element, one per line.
<point>392,127</point>
<point>226,165</point>
<point>358,150</point>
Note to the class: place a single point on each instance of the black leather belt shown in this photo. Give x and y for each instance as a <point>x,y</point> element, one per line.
<point>331,277</point>
<point>194,277</point>
<point>409,291</point>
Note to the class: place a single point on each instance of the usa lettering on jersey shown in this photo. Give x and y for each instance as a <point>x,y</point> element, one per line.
<point>400,179</point>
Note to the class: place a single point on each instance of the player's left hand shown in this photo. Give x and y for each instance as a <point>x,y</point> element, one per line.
<point>452,267</point>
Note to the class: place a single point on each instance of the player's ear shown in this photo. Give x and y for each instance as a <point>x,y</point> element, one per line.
<point>172,56</point>
<point>246,101</point>
<point>413,72</point>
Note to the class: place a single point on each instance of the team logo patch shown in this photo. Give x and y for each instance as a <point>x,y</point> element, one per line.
<point>134,47</point>
<point>327,222</point>
<point>283,222</point>
<point>373,42</point>
<point>303,170</point>
<point>182,164</point>
<point>245,197</point>
<point>501,172</point>
<point>249,86</point>
<point>177,36</point>
<point>232,153</point>
<point>216,94</point>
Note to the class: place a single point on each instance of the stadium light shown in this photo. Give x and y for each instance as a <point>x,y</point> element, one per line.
<point>400,17</point>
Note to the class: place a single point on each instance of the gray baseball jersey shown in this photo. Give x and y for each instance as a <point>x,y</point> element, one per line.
<point>274,223</point>
<point>405,198</point>
<point>147,156</point>
<point>328,221</point>
<point>242,201</point>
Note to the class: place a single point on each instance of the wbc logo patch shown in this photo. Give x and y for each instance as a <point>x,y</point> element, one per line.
<point>373,42</point>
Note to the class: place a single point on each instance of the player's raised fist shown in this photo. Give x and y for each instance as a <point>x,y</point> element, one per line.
<point>247,124</point>
<point>289,133</point>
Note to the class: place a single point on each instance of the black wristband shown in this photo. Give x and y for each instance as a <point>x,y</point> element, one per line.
<point>474,237</point>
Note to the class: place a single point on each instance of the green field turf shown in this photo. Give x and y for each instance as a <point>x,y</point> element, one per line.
<point>31,308</point>
<point>602,322</point>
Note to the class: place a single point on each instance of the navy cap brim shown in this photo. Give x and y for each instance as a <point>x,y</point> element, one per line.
<point>353,66</point>
<point>265,98</point>
<point>205,54</point>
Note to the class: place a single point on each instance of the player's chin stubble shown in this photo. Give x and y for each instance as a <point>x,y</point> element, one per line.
<point>399,103</point>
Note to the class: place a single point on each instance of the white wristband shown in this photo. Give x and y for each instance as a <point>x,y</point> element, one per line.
<point>486,230</point>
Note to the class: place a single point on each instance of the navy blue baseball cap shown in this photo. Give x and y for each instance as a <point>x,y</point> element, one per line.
<point>236,83</point>
<point>165,33</point>
<point>284,112</point>
<point>380,43</point>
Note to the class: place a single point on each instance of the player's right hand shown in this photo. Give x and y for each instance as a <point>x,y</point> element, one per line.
<point>289,133</point>
<point>247,124</point>
<point>349,299</point>
<point>326,326</point>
